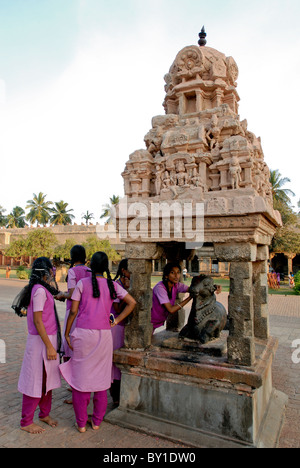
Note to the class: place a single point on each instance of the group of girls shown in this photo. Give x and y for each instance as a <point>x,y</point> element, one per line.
<point>96,312</point>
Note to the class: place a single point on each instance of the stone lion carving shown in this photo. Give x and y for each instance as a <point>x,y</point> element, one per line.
<point>208,317</point>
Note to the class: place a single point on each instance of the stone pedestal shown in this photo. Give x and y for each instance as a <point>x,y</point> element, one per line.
<point>199,400</point>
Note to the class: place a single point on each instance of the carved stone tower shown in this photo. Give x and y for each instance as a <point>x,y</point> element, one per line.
<point>200,153</point>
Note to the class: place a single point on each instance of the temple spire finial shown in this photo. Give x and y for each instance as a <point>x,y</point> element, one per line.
<point>202,42</point>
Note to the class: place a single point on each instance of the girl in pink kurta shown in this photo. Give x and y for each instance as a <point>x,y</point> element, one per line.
<point>118,332</point>
<point>77,271</point>
<point>40,369</point>
<point>165,294</point>
<point>89,369</point>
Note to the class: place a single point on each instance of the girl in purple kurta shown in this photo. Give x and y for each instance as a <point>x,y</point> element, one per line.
<point>118,332</point>
<point>165,294</point>
<point>40,369</point>
<point>77,271</point>
<point>89,369</point>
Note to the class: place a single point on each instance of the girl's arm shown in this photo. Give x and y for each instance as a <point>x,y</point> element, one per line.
<point>72,316</point>
<point>130,305</point>
<point>65,295</point>
<point>39,325</point>
<point>175,308</point>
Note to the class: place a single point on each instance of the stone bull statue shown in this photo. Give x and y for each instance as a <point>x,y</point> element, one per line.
<point>208,317</point>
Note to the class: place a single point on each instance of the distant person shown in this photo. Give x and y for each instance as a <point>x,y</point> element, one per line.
<point>291,280</point>
<point>90,368</point>
<point>278,279</point>
<point>184,273</point>
<point>8,271</point>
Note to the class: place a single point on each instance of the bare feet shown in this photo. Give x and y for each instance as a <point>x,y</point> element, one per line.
<point>82,430</point>
<point>48,420</point>
<point>68,402</point>
<point>95,428</point>
<point>33,429</point>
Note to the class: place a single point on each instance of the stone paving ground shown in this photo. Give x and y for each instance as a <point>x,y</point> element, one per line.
<point>285,325</point>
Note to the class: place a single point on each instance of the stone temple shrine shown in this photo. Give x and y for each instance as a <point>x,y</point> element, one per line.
<point>200,154</point>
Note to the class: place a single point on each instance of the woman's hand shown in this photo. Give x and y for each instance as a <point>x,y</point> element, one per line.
<point>51,353</point>
<point>60,297</point>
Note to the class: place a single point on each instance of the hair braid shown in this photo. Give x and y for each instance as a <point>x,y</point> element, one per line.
<point>122,265</point>
<point>111,287</point>
<point>96,290</point>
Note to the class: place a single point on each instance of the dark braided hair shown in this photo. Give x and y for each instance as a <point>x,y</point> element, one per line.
<point>167,270</point>
<point>99,264</point>
<point>40,268</point>
<point>77,254</point>
<point>123,265</point>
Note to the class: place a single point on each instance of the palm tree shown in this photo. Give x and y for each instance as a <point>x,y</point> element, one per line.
<point>280,195</point>
<point>109,209</point>
<point>87,217</point>
<point>39,209</point>
<point>16,219</point>
<point>60,215</point>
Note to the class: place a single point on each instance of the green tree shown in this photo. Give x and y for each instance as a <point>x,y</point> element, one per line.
<point>280,194</point>
<point>93,244</point>
<point>60,215</point>
<point>109,209</point>
<point>287,240</point>
<point>63,251</point>
<point>16,249</point>
<point>3,217</point>
<point>41,243</point>
<point>39,209</point>
<point>87,217</point>
<point>16,219</point>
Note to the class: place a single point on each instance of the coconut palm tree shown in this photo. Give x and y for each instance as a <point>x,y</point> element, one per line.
<point>16,219</point>
<point>109,209</point>
<point>87,217</point>
<point>280,194</point>
<point>39,209</point>
<point>60,215</point>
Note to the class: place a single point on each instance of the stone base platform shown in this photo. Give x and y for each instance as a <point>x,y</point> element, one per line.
<point>199,399</point>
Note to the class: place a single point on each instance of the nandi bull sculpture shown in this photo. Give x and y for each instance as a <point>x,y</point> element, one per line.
<point>208,317</point>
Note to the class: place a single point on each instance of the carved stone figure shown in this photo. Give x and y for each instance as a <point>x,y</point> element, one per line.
<point>158,178</point>
<point>208,317</point>
<point>235,172</point>
<point>213,133</point>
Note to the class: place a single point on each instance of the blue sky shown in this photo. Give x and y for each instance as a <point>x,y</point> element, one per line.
<point>80,81</point>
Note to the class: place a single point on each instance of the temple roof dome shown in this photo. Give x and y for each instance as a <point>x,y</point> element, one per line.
<point>201,63</point>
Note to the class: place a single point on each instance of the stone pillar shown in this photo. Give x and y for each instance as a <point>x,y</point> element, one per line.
<point>241,346</point>
<point>261,294</point>
<point>241,349</point>
<point>138,333</point>
<point>290,258</point>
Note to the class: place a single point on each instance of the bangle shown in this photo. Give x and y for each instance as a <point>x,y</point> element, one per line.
<point>180,306</point>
